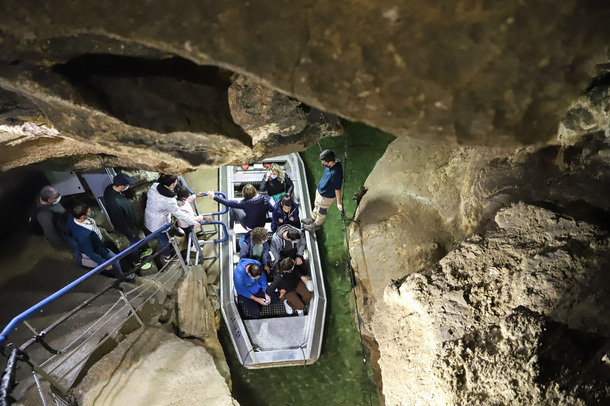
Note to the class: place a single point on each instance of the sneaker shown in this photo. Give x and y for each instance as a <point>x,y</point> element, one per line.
<point>146,253</point>
<point>287,307</point>
<point>130,277</point>
<point>301,312</point>
<point>193,249</point>
<point>306,221</point>
<point>171,259</point>
<point>146,266</point>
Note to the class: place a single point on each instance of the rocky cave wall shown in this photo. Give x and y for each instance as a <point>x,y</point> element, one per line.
<point>493,284</point>
<point>87,85</point>
<point>145,85</point>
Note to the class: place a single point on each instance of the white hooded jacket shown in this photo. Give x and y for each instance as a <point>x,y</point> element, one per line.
<point>159,209</point>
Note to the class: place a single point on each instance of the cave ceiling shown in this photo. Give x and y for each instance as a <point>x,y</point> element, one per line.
<point>170,86</point>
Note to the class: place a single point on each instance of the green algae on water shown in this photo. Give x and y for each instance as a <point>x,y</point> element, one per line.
<point>339,377</point>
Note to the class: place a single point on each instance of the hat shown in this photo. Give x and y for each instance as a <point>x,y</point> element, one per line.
<point>121,179</point>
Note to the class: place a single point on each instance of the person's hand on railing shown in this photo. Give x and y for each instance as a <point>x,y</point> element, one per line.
<point>210,193</point>
<point>200,194</point>
<point>207,219</point>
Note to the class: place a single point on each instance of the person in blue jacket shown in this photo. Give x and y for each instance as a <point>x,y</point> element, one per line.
<point>286,211</point>
<point>88,238</point>
<point>328,191</point>
<point>251,284</point>
<point>255,246</point>
<point>254,207</point>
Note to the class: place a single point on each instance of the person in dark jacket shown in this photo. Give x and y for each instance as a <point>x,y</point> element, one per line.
<point>47,214</point>
<point>286,211</point>
<point>88,238</point>
<point>328,191</point>
<point>254,206</point>
<point>121,213</point>
<point>276,182</point>
<point>289,284</point>
<point>255,246</point>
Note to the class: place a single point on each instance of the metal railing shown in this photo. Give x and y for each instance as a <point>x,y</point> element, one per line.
<point>61,368</point>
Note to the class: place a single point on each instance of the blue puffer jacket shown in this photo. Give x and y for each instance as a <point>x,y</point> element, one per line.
<point>256,209</point>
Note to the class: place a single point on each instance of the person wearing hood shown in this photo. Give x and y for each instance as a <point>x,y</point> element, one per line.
<point>161,205</point>
<point>287,242</point>
<point>286,211</point>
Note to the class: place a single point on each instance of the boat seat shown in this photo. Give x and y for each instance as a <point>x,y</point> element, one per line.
<point>269,311</point>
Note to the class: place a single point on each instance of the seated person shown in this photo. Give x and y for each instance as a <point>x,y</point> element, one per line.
<point>276,182</point>
<point>88,238</point>
<point>287,243</point>
<point>285,212</point>
<point>251,211</point>
<point>251,283</point>
<point>255,246</point>
<point>290,284</point>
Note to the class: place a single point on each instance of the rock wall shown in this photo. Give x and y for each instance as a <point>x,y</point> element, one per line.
<point>146,85</point>
<point>491,323</point>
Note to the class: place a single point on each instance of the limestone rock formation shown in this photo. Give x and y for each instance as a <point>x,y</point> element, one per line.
<point>491,323</point>
<point>260,111</point>
<point>160,369</point>
<point>133,85</point>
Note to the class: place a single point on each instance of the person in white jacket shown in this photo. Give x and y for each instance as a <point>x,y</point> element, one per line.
<point>161,204</point>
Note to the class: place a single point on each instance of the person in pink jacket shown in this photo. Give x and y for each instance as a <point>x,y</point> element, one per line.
<point>185,198</point>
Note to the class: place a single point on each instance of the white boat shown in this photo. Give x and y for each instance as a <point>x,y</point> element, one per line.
<point>276,338</point>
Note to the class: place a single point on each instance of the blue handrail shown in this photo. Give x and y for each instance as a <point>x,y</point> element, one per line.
<point>223,226</point>
<point>12,325</point>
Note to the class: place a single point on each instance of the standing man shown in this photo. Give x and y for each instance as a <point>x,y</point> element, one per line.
<point>46,215</point>
<point>121,214</point>
<point>329,190</point>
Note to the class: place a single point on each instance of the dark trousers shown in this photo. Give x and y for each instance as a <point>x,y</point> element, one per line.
<point>299,297</point>
<point>250,307</point>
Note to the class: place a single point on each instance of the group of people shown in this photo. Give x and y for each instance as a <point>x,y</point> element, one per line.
<point>79,230</point>
<point>280,262</point>
<point>267,273</point>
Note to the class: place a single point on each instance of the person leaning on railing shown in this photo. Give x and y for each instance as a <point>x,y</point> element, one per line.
<point>161,204</point>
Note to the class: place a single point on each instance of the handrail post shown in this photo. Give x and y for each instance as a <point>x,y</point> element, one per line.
<point>128,303</point>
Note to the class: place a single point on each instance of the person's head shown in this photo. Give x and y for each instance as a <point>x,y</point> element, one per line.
<point>183,194</point>
<point>293,234</point>
<point>49,195</point>
<point>275,171</point>
<point>123,181</point>
<point>81,211</point>
<point>259,235</point>
<point>286,201</point>
<point>168,180</point>
<point>249,191</point>
<point>286,264</point>
<point>327,157</point>
<point>254,270</point>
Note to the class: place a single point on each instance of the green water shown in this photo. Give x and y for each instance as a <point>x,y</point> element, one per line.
<point>339,377</point>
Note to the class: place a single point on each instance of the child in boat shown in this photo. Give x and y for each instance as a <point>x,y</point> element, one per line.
<point>256,246</point>
<point>290,284</point>
<point>285,212</point>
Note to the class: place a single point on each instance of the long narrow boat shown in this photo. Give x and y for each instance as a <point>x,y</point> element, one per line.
<point>276,338</point>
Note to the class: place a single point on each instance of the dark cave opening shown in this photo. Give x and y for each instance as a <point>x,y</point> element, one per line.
<point>165,95</point>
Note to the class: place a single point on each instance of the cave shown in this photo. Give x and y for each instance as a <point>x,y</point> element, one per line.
<point>477,259</point>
